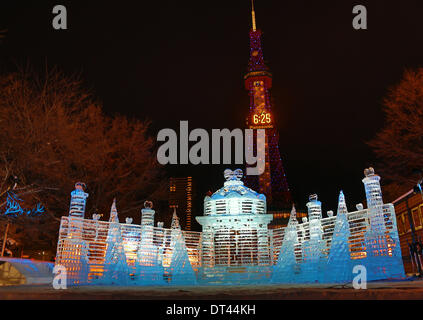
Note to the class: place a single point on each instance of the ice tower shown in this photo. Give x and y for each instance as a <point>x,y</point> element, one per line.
<point>313,245</point>
<point>374,199</point>
<point>235,233</point>
<point>78,201</point>
<point>339,265</point>
<point>147,252</point>
<point>236,246</point>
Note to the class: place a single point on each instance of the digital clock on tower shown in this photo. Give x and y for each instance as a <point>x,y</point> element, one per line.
<point>263,118</point>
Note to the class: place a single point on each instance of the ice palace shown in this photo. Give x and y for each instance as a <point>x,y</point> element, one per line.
<point>235,246</point>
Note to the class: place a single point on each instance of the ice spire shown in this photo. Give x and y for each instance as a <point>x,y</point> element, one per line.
<point>342,206</point>
<point>253,16</point>
<point>175,220</point>
<point>293,217</point>
<point>113,212</point>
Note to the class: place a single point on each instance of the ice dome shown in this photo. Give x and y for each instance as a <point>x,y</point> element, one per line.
<point>234,198</point>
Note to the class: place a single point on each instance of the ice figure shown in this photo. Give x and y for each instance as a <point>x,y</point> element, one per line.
<point>286,267</point>
<point>312,248</point>
<point>116,270</point>
<point>149,270</point>
<point>382,244</point>
<point>180,267</point>
<point>152,275</point>
<point>113,212</point>
<point>235,246</point>
<point>78,201</point>
<point>374,200</point>
<point>76,263</point>
<point>147,252</point>
<point>338,267</point>
<point>175,221</point>
<point>147,214</point>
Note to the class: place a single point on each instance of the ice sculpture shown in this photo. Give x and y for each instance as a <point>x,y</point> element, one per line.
<point>78,201</point>
<point>339,260</point>
<point>180,269</point>
<point>113,212</point>
<point>287,267</point>
<point>149,270</point>
<point>116,271</point>
<point>383,256</point>
<point>235,237</point>
<point>311,267</point>
<point>236,246</point>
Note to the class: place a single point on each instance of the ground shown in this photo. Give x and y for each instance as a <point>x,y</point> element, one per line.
<point>404,290</point>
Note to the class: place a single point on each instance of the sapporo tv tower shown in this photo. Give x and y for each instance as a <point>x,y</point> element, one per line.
<point>258,81</point>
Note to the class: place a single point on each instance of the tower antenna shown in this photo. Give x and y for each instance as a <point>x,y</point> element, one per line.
<point>253,15</point>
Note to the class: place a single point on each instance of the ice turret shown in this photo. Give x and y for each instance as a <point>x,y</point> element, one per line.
<point>147,214</point>
<point>78,201</point>
<point>342,206</point>
<point>113,212</point>
<point>372,187</point>
<point>374,199</point>
<point>314,207</point>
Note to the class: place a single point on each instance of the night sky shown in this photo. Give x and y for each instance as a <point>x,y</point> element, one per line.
<point>185,60</point>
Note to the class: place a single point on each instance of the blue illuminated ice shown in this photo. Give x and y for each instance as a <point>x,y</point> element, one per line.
<point>235,246</point>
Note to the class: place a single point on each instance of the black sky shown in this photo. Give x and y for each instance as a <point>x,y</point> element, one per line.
<point>184,60</point>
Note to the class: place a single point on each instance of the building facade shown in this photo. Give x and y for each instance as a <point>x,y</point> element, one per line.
<point>409,214</point>
<point>281,218</point>
<point>181,199</point>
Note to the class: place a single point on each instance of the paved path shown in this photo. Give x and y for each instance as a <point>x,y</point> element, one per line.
<point>408,290</point>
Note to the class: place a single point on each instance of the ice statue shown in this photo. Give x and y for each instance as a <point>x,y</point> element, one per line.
<point>149,270</point>
<point>235,246</point>
<point>116,270</point>
<point>175,225</point>
<point>286,268</point>
<point>78,201</point>
<point>338,269</point>
<point>113,212</point>
<point>383,255</point>
<point>313,260</point>
<point>180,268</point>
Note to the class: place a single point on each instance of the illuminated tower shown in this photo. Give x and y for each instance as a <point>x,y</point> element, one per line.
<point>258,82</point>
<point>181,198</point>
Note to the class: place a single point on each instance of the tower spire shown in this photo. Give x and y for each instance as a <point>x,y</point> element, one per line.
<point>253,16</point>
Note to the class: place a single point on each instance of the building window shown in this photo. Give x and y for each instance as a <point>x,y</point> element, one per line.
<point>406,223</point>
<point>400,224</point>
<point>416,218</point>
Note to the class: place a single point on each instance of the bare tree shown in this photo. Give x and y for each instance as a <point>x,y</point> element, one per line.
<point>54,134</point>
<point>399,144</point>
